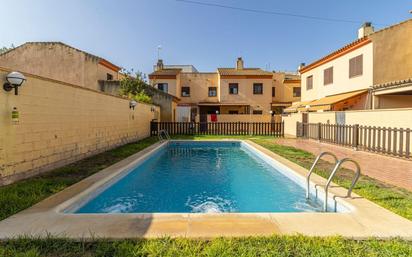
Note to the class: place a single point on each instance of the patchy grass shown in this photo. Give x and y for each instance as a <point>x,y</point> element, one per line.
<point>391,197</point>
<point>249,246</point>
<point>25,193</point>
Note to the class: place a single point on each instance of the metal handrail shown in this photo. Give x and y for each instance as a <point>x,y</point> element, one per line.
<point>159,135</point>
<point>355,179</point>
<point>165,133</point>
<point>313,167</point>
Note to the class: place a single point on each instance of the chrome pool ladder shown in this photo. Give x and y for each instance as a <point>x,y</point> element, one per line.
<point>355,179</point>
<point>313,168</point>
<point>163,135</point>
<point>338,164</point>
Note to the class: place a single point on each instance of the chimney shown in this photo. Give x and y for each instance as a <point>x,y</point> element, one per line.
<point>239,63</point>
<point>301,66</point>
<point>159,65</point>
<point>365,30</point>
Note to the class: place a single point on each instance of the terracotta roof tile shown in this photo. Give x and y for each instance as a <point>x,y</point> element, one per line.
<point>392,84</point>
<point>335,53</point>
<point>166,72</point>
<point>350,45</point>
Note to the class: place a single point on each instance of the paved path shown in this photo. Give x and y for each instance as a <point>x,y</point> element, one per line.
<point>391,170</point>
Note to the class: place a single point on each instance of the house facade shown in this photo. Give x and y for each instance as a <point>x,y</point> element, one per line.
<point>237,90</point>
<point>353,77</point>
<point>61,62</point>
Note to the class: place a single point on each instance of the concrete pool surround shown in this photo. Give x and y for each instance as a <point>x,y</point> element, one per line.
<point>356,216</point>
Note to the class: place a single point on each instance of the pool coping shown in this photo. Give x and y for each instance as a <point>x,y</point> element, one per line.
<point>365,219</point>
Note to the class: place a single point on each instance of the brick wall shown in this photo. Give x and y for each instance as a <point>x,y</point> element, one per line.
<point>61,123</point>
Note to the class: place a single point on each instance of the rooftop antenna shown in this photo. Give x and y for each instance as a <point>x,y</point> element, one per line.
<point>159,47</point>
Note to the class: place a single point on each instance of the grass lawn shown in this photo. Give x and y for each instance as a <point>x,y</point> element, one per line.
<point>237,247</point>
<point>23,194</point>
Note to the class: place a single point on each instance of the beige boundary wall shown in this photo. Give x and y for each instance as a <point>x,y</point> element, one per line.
<point>394,118</point>
<point>245,118</point>
<point>290,124</point>
<point>60,123</point>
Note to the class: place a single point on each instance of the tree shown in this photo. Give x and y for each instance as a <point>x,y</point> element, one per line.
<point>5,48</point>
<point>135,87</point>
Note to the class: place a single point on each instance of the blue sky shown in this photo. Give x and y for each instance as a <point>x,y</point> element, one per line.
<point>127,32</point>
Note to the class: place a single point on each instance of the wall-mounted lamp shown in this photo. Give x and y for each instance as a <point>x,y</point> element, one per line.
<point>132,104</point>
<point>14,80</point>
<point>217,112</point>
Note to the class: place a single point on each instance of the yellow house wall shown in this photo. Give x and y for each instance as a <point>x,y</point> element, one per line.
<point>284,91</point>
<point>392,49</point>
<point>341,81</point>
<point>240,109</point>
<point>199,84</point>
<point>57,62</point>
<point>246,95</point>
<point>172,85</point>
<point>61,123</point>
<point>394,101</point>
<point>102,73</point>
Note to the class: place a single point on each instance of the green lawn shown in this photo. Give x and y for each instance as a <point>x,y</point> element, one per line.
<point>236,247</point>
<point>23,194</point>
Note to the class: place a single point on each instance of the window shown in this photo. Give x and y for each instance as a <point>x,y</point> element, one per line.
<point>233,88</point>
<point>257,112</point>
<point>328,76</point>
<point>273,91</point>
<point>212,91</point>
<point>296,92</point>
<point>356,66</point>
<point>257,88</point>
<point>163,87</point>
<point>233,112</point>
<point>309,82</point>
<point>109,76</point>
<point>185,91</point>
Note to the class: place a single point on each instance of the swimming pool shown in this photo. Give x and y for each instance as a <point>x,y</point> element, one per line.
<point>201,177</point>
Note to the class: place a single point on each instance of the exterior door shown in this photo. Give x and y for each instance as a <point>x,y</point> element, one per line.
<point>305,126</point>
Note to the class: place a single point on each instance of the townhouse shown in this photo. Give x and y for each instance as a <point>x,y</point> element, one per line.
<point>62,62</point>
<point>237,90</point>
<point>373,72</point>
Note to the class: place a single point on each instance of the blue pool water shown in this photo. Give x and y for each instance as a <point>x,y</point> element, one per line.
<point>202,177</point>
